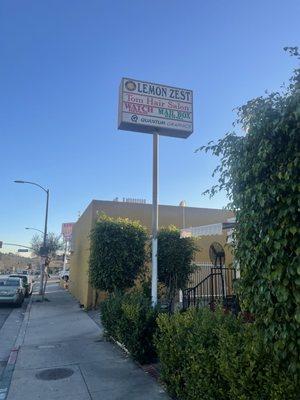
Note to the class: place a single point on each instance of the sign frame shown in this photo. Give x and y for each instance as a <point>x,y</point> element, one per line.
<point>67,230</point>
<point>135,122</point>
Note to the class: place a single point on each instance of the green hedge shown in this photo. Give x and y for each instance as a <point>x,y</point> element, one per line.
<point>214,356</point>
<point>118,253</point>
<point>130,319</point>
<point>259,170</point>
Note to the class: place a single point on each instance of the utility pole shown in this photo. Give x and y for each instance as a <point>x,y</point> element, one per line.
<point>45,249</point>
<point>154,219</point>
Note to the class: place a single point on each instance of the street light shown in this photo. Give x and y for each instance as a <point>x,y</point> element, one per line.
<point>45,230</point>
<point>34,229</point>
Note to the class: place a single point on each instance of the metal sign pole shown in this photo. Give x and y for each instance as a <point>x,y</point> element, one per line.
<point>154,219</point>
<point>65,257</point>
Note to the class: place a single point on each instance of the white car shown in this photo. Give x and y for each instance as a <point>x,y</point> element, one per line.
<point>12,291</point>
<point>27,282</point>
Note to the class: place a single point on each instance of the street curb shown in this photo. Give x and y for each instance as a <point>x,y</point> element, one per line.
<point>121,345</point>
<point>20,338</point>
<point>7,374</point>
<point>149,369</point>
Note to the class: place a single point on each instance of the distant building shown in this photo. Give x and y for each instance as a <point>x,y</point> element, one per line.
<point>180,216</point>
<point>11,262</point>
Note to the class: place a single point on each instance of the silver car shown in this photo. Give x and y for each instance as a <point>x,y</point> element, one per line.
<point>12,291</point>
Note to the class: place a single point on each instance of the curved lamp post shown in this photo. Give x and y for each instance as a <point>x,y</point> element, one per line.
<point>45,230</point>
<point>34,229</point>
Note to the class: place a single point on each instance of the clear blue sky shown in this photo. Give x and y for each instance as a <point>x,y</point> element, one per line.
<point>61,62</point>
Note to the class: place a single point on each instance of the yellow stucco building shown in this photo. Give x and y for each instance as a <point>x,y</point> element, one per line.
<point>179,216</point>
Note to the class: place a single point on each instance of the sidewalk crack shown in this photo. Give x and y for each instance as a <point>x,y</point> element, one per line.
<point>87,388</point>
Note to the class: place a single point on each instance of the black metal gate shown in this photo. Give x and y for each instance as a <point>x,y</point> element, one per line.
<point>215,288</point>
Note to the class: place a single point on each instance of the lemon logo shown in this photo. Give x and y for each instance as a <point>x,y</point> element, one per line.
<point>130,85</point>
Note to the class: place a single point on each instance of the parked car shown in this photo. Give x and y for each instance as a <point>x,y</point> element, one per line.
<point>12,291</point>
<point>27,282</point>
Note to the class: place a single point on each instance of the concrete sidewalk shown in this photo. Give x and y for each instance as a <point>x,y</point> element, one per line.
<point>63,356</point>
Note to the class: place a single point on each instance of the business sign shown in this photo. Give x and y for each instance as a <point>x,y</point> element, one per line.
<point>151,107</point>
<point>66,230</point>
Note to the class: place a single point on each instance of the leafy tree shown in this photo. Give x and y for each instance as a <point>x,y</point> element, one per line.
<point>117,253</point>
<point>54,244</point>
<point>175,257</point>
<point>260,172</point>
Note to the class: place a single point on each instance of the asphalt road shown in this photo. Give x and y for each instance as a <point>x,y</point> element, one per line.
<point>4,313</point>
<point>5,310</point>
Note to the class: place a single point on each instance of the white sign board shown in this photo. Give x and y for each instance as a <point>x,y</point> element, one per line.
<point>151,107</point>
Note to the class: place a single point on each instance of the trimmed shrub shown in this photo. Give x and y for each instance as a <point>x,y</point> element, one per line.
<point>186,346</point>
<point>251,369</point>
<point>214,356</point>
<point>111,313</point>
<point>175,258</point>
<point>118,253</point>
<point>130,319</point>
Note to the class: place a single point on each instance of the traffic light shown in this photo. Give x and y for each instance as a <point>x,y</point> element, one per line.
<point>1,243</point>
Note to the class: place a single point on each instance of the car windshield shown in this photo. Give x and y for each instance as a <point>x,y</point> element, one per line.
<point>9,282</point>
<point>24,278</point>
